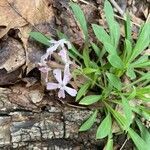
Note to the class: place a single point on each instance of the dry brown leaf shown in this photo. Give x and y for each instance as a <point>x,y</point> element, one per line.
<point>12,55</point>
<point>24,15</point>
<point>9,16</point>
<point>17,12</point>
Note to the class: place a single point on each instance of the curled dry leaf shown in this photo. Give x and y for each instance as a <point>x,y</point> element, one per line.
<point>18,13</point>
<point>23,15</point>
<point>12,55</point>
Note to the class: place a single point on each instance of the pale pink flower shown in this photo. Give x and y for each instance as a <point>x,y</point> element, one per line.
<point>45,70</point>
<point>61,43</point>
<point>55,44</point>
<point>61,85</point>
<point>65,58</point>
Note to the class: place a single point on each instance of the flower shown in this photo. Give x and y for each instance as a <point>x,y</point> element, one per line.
<point>54,47</point>
<point>61,85</point>
<point>56,44</point>
<point>45,70</point>
<point>65,58</point>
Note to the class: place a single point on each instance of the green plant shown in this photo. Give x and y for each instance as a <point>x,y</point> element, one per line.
<point>113,65</point>
<point>119,75</point>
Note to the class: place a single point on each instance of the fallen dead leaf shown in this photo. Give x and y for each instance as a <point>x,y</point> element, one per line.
<point>24,15</point>
<point>12,55</point>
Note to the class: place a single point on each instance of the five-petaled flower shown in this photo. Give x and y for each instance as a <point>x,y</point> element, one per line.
<point>54,46</point>
<point>61,85</point>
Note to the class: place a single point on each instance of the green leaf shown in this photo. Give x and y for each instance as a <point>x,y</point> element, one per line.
<point>130,73</point>
<point>110,49</point>
<point>138,141</point>
<point>89,70</point>
<point>128,28</point>
<point>145,134</point>
<point>88,100</point>
<point>116,61</point>
<point>109,13</point>
<point>132,94</point>
<point>86,57</point>
<point>109,145</point>
<point>142,112</point>
<point>145,76</point>
<point>113,25</point>
<point>83,90</point>
<point>119,117</point>
<point>89,122</point>
<point>114,81</point>
<point>115,34</point>
<point>128,49</point>
<point>96,49</point>
<point>101,34</point>
<point>104,128</point>
<point>40,38</point>
<point>127,110</point>
<point>142,42</point>
<point>143,61</point>
<point>79,15</point>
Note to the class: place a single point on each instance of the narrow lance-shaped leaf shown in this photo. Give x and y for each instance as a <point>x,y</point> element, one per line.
<point>86,57</point>
<point>142,42</point>
<point>89,122</point>
<point>128,28</point>
<point>130,72</point>
<point>104,128</point>
<point>116,61</point>
<point>138,141</point>
<point>145,134</point>
<point>83,90</point>
<point>79,15</point>
<point>89,70</point>
<point>114,81</point>
<point>143,61</point>
<point>128,50</point>
<point>127,110</point>
<point>109,145</point>
<point>88,100</point>
<point>96,49</point>
<point>118,117</point>
<point>113,25</point>
<point>101,34</point>
<point>40,38</point>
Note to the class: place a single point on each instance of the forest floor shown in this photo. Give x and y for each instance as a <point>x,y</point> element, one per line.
<point>30,116</point>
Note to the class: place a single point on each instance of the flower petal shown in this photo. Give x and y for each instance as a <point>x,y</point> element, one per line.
<point>58,75</point>
<point>67,75</point>
<point>52,86</point>
<point>44,69</point>
<point>63,55</point>
<point>70,91</point>
<point>50,50</point>
<point>43,59</point>
<point>61,93</point>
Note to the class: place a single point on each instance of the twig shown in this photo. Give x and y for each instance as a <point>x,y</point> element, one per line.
<point>85,2</point>
<point>119,17</point>
<point>123,144</point>
<point>117,7</point>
